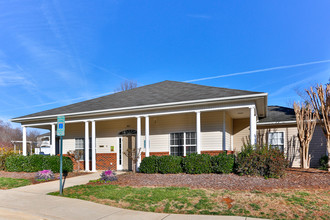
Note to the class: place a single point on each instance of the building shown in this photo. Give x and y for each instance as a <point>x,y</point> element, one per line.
<point>165,118</point>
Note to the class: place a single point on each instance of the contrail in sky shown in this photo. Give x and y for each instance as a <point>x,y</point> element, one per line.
<point>260,70</point>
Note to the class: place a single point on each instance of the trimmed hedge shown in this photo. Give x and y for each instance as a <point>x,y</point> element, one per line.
<point>252,160</point>
<point>149,165</point>
<point>223,163</point>
<point>169,164</point>
<point>35,163</point>
<point>197,163</point>
<point>261,161</point>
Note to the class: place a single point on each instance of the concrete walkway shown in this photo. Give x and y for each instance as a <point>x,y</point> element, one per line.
<point>31,202</point>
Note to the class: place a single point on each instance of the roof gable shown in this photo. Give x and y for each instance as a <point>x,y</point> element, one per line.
<point>278,114</point>
<point>158,93</point>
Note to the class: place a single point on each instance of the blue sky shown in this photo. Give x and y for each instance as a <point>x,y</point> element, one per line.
<point>54,53</point>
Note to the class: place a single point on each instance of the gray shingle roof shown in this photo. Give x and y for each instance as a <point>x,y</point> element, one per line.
<point>162,92</point>
<point>279,114</point>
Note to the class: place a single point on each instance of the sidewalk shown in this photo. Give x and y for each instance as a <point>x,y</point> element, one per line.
<point>31,202</point>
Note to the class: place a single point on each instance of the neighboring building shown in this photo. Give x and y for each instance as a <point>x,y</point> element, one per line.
<point>43,144</point>
<point>164,118</point>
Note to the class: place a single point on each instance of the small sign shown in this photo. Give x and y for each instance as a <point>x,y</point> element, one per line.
<point>112,148</point>
<point>60,125</point>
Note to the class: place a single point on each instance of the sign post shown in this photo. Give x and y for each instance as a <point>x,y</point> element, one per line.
<point>61,133</point>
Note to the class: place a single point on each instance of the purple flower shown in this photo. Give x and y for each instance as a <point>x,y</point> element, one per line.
<point>108,175</point>
<point>108,172</point>
<point>45,175</point>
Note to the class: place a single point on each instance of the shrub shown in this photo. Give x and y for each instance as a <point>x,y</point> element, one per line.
<point>4,154</point>
<point>45,175</point>
<point>15,163</point>
<point>324,162</point>
<point>197,163</point>
<point>223,163</point>
<point>149,165</point>
<point>169,164</point>
<point>108,175</point>
<point>34,163</point>
<point>261,161</point>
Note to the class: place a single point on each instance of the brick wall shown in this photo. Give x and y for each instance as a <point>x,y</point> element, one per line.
<point>143,155</point>
<point>216,152</point>
<point>104,160</point>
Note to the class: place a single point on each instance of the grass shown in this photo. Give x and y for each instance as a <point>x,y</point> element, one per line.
<point>9,183</point>
<point>274,204</point>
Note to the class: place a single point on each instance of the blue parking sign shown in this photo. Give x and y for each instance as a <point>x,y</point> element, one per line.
<point>60,126</point>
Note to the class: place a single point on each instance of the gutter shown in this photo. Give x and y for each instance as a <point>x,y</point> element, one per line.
<point>277,122</point>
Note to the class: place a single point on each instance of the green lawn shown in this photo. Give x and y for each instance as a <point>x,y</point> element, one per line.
<point>8,183</point>
<point>275,204</point>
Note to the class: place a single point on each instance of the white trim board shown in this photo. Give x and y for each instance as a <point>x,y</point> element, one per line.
<point>277,122</point>
<point>143,115</point>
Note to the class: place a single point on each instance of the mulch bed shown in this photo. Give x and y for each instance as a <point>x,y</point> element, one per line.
<point>31,176</point>
<point>294,179</point>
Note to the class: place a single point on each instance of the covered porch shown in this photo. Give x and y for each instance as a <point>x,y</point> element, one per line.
<point>177,131</point>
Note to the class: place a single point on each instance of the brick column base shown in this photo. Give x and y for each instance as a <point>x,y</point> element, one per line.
<point>105,161</point>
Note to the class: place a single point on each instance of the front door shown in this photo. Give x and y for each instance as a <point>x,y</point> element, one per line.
<point>128,146</point>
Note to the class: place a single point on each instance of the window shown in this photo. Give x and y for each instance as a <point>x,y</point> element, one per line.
<point>120,150</point>
<point>276,140</point>
<point>176,144</point>
<point>183,143</point>
<point>190,143</point>
<point>80,146</point>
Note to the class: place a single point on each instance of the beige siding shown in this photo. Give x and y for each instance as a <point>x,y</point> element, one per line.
<point>72,131</point>
<point>317,146</point>
<point>291,143</point>
<point>241,131</point>
<point>211,128</point>
<point>160,128</point>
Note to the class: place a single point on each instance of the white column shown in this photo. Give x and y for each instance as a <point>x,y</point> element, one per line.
<point>138,139</point>
<point>93,146</point>
<point>86,146</point>
<point>147,136</point>
<point>198,131</point>
<point>24,141</point>
<point>53,146</point>
<point>224,130</point>
<point>253,126</point>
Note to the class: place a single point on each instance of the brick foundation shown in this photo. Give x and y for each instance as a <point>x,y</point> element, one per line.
<point>216,152</point>
<point>143,155</point>
<point>104,160</point>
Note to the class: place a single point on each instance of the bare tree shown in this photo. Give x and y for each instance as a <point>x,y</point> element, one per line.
<point>133,154</point>
<point>320,100</point>
<point>306,121</point>
<point>127,85</point>
<point>76,155</point>
<point>8,134</point>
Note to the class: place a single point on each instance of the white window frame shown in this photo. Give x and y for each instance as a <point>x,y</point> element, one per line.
<point>185,145</point>
<point>282,145</point>
<point>83,148</point>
